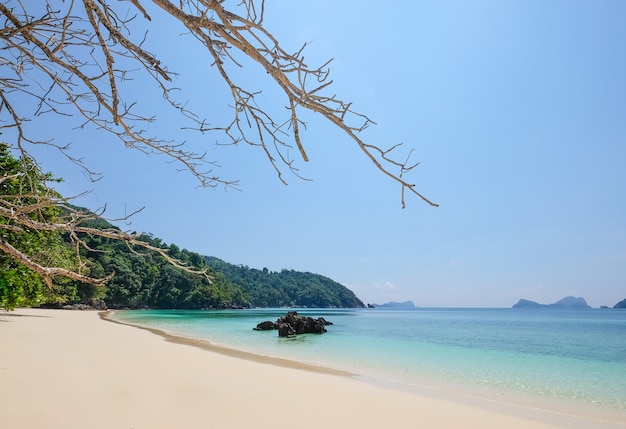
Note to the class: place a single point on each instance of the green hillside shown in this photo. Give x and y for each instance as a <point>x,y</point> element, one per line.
<point>148,281</point>
<point>286,288</point>
<point>139,278</point>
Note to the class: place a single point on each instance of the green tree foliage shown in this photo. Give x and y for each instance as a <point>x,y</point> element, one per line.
<point>147,280</point>
<point>140,280</point>
<point>22,188</point>
<point>287,288</point>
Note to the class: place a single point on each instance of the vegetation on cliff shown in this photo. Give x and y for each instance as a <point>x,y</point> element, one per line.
<point>142,272</point>
<point>287,288</point>
<point>148,280</point>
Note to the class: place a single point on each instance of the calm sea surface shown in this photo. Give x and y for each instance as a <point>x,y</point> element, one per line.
<point>547,355</point>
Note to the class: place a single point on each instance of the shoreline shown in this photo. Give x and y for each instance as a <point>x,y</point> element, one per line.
<point>551,409</point>
<point>227,351</point>
<point>516,403</point>
<point>71,370</point>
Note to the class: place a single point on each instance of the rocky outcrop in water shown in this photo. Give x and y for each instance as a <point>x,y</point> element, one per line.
<point>293,324</point>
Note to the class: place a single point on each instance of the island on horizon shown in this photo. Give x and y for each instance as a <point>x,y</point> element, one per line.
<point>569,302</point>
<point>405,305</point>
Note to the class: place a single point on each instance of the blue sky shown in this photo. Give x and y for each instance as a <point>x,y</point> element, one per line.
<point>516,111</point>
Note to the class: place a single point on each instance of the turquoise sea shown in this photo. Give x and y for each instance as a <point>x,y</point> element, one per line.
<point>555,359</point>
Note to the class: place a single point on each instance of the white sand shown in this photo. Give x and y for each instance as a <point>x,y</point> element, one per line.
<point>70,369</point>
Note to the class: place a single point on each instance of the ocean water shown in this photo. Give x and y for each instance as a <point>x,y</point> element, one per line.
<point>568,357</point>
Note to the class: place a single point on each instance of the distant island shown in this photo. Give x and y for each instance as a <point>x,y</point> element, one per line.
<point>569,302</point>
<point>406,305</point>
<point>621,304</point>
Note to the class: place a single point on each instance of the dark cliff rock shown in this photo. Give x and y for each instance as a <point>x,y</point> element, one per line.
<point>92,304</point>
<point>268,325</point>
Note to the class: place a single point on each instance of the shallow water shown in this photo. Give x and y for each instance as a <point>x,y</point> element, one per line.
<point>576,356</point>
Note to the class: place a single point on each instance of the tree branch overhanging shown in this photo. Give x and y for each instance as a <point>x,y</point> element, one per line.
<point>73,58</point>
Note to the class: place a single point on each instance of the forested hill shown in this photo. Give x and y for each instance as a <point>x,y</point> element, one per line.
<point>36,243</point>
<point>286,288</point>
<point>147,280</point>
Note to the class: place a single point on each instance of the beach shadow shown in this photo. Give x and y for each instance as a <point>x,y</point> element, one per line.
<point>7,314</point>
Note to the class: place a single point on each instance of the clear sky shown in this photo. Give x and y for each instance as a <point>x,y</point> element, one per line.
<point>516,111</point>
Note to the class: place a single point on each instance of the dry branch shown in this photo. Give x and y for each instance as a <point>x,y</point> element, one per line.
<point>71,58</point>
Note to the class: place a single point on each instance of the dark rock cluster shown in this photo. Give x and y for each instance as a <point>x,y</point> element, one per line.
<point>92,304</point>
<point>293,324</point>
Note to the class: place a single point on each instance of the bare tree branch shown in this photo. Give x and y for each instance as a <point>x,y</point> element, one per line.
<point>48,272</point>
<point>18,217</point>
<point>74,58</point>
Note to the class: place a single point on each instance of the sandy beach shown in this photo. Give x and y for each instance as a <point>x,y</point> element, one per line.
<point>71,369</point>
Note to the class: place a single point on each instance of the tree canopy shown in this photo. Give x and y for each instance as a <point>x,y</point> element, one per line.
<point>140,280</point>
<point>22,185</point>
<point>286,288</point>
<point>76,58</point>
